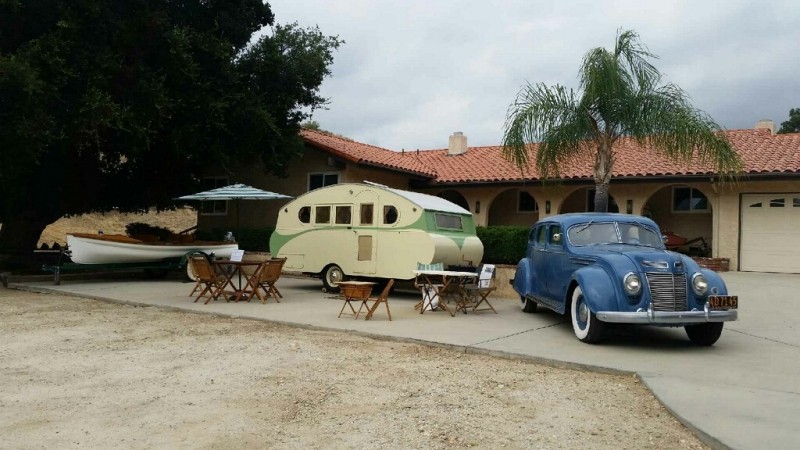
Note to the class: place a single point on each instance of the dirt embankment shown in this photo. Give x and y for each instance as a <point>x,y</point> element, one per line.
<point>114,223</point>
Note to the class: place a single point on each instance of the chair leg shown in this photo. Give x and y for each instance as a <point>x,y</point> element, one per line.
<point>483,299</point>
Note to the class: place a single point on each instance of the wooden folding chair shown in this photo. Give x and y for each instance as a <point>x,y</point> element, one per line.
<point>267,277</point>
<point>383,298</point>
<point>211,282</point>
<point>482,289</point>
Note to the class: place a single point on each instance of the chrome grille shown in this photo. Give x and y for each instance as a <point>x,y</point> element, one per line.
<point>667,291</point>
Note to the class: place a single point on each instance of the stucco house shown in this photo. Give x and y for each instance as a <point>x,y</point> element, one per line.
<point>754,222</point>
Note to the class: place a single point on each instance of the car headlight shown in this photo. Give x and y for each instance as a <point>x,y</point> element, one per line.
<point>632,284</point>
<point>699,284</point>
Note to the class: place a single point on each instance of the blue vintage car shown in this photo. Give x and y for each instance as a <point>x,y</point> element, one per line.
<point>600,268</point>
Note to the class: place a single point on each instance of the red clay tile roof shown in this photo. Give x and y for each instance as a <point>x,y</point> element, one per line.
<point>761,152</point>
<point>359,153</point>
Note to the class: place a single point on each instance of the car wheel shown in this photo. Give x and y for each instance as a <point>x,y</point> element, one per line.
<point>705,334</point>
<point>585,324</point>
<point>527,305</point>
<point>331,275</point>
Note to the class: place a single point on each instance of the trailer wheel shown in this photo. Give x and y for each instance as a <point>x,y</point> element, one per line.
<point>190,275</point>
<point>331,275</point>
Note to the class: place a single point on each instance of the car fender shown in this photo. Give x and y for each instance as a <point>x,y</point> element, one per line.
<point>715,282</point>
<point>525,281</point>
<point>598,289</point>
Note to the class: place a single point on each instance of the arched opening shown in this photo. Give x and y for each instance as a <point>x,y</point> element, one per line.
<point>685,216</point>
<point>514,207</point>
<point>455,197</point>
<point>582,200</point>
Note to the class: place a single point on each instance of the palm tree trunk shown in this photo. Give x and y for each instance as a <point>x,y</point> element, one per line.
<point>604,162</point>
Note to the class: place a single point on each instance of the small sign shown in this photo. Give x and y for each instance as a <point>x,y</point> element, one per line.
<point>237,255</point>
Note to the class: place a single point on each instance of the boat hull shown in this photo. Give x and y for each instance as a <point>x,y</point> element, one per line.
<point>105,249</point>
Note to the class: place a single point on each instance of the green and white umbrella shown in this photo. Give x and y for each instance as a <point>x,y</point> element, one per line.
<point>234,192</point>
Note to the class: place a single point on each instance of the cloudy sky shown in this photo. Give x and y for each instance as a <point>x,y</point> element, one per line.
<point>413,71</point>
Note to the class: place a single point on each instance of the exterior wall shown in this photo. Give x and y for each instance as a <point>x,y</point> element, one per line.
<point>720,228</point>
<point>264,213</point>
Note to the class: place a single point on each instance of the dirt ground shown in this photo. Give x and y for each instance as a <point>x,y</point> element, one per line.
<point>78,373</point>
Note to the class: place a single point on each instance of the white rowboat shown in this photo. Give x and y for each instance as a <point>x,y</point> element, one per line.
<point>115,248</point>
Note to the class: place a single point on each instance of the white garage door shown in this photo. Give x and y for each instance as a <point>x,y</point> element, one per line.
<point>770,233</point>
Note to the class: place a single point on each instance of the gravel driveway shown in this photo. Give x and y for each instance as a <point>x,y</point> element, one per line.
<point>77,373</point>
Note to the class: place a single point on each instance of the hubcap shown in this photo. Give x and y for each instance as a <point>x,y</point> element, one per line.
<point>335,276</point>
<point>583,312</point>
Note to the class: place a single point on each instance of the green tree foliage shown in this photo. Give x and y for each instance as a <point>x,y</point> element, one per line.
<point>123,104</point>
<point>620,95</point>
<point>793,124</point>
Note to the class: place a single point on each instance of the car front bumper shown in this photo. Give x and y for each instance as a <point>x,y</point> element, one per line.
<point>651,317</point>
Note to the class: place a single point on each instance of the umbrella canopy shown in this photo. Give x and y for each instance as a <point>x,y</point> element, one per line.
<point>234,192</point>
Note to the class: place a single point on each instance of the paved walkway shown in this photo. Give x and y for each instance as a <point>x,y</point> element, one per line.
<point>743,393</point>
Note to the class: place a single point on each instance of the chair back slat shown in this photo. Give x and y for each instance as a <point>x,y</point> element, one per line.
<point>202,267</point>
<point>272,269</point>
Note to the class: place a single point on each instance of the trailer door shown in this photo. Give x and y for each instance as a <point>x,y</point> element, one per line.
<point>366,230</point>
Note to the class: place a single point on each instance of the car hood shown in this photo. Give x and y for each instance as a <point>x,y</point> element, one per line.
<point>637,258</point>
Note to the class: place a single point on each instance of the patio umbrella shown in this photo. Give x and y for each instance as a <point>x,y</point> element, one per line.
<point>234,192</point>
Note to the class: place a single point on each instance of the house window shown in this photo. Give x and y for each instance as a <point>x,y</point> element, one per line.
<point>318,180</point>
<point>216,207</point>
<point>686,199</point>
<point>526,203</point>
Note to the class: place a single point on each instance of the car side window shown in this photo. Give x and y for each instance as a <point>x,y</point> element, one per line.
<point>556,237</point>
<point>541,236</point>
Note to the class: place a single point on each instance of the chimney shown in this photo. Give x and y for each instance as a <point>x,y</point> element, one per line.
<point>457,144</point>
<point>766,124</point>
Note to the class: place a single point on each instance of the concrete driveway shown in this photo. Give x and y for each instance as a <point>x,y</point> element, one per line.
<point>744,392</point>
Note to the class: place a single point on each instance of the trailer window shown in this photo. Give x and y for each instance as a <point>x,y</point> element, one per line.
<point>448,221</point>
<point>323,214</point>
<point>343,215</point>
<point>366,214</point>
<point>389,214</point>
<point>304,214</point>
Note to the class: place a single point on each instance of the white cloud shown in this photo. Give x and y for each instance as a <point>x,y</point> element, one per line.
<point>412,72</point>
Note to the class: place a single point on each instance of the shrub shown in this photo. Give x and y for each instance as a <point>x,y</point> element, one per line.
<point>146,231</point>
<point>503,244</point>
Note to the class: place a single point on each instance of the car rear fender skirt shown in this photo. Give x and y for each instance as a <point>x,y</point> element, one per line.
<point>598,289</point>
<point>525,281</point>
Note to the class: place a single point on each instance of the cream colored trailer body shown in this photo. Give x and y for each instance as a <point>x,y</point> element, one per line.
<point>372,231</point>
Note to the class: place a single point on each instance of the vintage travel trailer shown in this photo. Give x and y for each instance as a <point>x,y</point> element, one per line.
<point>368,230</point>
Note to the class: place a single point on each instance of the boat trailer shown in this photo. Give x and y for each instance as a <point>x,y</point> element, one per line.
<point>152,269</point>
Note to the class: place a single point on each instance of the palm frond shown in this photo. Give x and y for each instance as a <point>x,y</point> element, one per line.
<point>536,110</point>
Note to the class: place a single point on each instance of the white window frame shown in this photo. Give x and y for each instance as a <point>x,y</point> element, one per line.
<point>218,182</point>
<point>690,210</point>
<point>324,175</point>
<point>519,201</point>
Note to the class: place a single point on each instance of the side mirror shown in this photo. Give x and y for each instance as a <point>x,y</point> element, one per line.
<point>664,238</point>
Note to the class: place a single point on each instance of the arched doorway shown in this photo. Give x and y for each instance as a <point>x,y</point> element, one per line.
<point>514,207</point>
<point>455,197</point>
<point>686,213</point>
<point>582,200</point>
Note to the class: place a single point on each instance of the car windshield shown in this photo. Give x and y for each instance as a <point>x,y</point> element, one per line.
<point>592,233</point>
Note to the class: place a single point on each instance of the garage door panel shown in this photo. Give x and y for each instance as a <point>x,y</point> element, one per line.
<point>770,233</point>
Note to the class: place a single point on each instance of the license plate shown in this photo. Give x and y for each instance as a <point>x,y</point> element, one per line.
<point>723,302</point>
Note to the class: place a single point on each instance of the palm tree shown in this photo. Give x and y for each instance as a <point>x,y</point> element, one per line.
<point>620,96</point>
